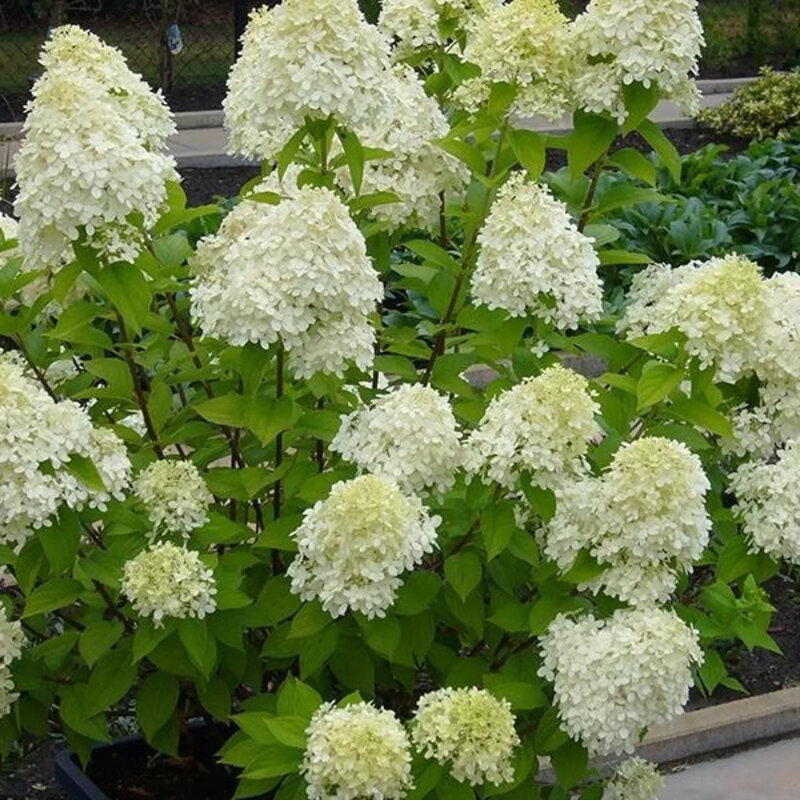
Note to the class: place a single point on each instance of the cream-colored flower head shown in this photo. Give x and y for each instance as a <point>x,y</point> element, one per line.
<point>297,272</point>
<point>175,495</point>
<point>719,305</point>
<point>470,731</point>
<point>418,170</point>
<point>634,779</point>
<point>415,24</point>
<point>92,153</point>
<point>533,260</point>
<point>645,518</point>
<point>39,439</point>
<point>543,425</point>
<point>525,43</point>
<point>621,42</point>
<point>7,694</point>
<point>615,677</point>
<point>12,639</point>
<point>768,501</point>
<point>354,545</point>
<point>358,752</point>
<point>169,581</point>
<point>408,435</point>
<point>303,58</point>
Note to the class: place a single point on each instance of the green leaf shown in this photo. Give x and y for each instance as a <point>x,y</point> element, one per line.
<point>216,697</point>
<point>463,572</point>
<point>310,620</point>
<point>703,416</point>
<point>111,679</point>
<point>147,638</point>
<point>128,291</point>
<point>624,195</point>
<point>433,254</point>
<point>612,257</point>
<point>156,701</point>
<point>286,156</point>
<point>639,102</point>
<point>382,634</point>
<point>272,761</point>
<point>85,471</point>
<point>289,731</point>
<point>354,155</point>
<point>530,151</point>
<point>592,135</point>
<point>523,696</point>
<point>470,155</point>
<point>230,410</point>
<point>99,638</point>
<point>267,417</point>
<point>173,249</point>
<point>73,711</point>
<point>570,762</point>
<point>663,147</point>
<point>52,595</point>
<point>658,381</point>
<point>296,698</point>
<point>199,643</point>
<point>634,163</point>
<point>497,527</point>
<point>417,593</point>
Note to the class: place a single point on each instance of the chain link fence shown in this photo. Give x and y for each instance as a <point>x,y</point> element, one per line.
<point>187,46</point>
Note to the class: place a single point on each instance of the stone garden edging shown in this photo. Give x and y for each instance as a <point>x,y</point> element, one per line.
<point>725,726</point>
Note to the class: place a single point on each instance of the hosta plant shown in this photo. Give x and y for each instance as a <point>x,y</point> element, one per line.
<point>363,465</point>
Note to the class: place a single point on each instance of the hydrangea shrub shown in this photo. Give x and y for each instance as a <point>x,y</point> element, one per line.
<point>363,464</point>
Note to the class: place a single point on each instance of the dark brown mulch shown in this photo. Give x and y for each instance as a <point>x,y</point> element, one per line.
<point>32,777</point>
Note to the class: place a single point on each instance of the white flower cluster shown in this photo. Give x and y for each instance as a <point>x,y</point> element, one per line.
<point>740,322</point>
<point>358,752</point>
<point>12,640</point>
<point>719,305</point>
<point>409,435</point>
<point>533,259</point>
<point>91,154</point>
<point>38,440</point>
<point>354,545</point>
<point>620,42</point>
<point>471,729</point>
<point>175,495</point>
<point>525,43</point>
<point>768,495</point>
<point>645,518</point>
<point>544,425</point>
<point>615,677</point>
<point>635,779</point>
<point>303,58</point>
<point>417,171</point>
<point>169,581</point>
<point>416,24</point>
<point>297,272</point>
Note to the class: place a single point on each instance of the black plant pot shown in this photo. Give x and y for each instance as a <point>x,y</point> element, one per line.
<point>76,783</point>
<point>107,759</point>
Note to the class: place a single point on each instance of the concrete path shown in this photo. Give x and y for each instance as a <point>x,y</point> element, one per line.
<point>201,140</point>
<point>768,773</point>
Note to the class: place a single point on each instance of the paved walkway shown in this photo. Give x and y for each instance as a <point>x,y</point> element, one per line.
<point>201,141</point>
<point>768,773</point>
